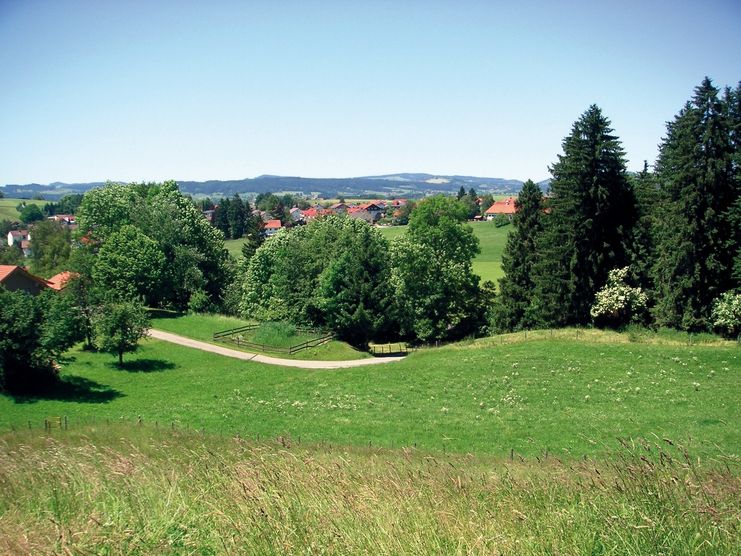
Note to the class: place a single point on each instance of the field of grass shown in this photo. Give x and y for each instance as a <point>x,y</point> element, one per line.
<point>141,490</point>
<point>569,392</point>
<point>202,327</point>
<point>8,211</point>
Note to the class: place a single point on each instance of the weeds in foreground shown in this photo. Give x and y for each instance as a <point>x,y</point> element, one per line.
<point>119,491</point>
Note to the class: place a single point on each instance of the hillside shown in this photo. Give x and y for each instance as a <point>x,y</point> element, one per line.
<point>400,185</point>
<point>571,392</point>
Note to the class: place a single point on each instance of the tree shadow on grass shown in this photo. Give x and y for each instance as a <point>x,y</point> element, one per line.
<point>143,365</point>
<point>70,389</point>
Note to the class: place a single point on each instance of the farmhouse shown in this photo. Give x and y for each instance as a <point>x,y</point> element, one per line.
<point>17,278</point>
<point>360,213</point>
<point>271,227</point>
<point>505,207</point>
<point>16,237</point>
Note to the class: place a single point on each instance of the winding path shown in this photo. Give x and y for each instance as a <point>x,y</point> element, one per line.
<point>301,363</point>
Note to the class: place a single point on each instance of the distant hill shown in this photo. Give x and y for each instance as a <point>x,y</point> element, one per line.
<point>400,185</point>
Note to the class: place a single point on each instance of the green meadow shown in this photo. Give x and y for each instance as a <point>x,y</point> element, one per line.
<point>8,210</point>
<point>571,393</point>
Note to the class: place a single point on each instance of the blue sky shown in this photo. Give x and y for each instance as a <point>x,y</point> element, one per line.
<point>130,90</point>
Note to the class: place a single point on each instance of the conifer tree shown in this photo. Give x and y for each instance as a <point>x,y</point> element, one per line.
<point>236,217</point>
<point>588,229</point>
<point>699,181</point>
<point>513,307</point>
<point>221,217</point>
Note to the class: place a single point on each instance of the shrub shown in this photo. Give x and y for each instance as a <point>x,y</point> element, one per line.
<point>726,316</point>
<point>617,303</point>
<point>501,220</point>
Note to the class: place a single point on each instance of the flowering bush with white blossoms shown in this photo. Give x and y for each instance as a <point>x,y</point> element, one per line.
<point>617,303</point>
<point>726,316</point>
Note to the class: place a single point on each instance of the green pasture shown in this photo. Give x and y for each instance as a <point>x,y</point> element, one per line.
<point>8,211</point>
<point>487,264</point>
<point>568,392</point>
<point>202,327</point>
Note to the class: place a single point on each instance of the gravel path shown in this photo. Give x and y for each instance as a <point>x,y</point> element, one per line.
<point>236,354</point>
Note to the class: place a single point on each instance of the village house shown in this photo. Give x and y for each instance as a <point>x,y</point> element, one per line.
<point>374,210</point>
<point>17,278</point>
<point>504,206</point>
<point>15,237</point>
<point>271,227</point>
<point>360,213</point>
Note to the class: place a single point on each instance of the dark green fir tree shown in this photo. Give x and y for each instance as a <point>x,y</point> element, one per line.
<point>699,182</point>
<point>587,231</point>
<point>513,307</point>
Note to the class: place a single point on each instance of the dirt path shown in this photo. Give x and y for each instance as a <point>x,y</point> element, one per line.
<point>303,364</point>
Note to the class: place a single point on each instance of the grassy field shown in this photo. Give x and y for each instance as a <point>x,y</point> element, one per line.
<point>141,490</point>
<point>202,327</point>
<point>8,211</point>
<point>488,264</point>
<point>568,392</point>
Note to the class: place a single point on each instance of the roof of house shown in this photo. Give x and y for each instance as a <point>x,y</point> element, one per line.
<point>505,206</point>
<point>25,244</point>
<point>59,281</point>
<point>19,233</point>
<point>353,210</point>
<point>369,206</point>
<point>7,270</point>
<point>273,224</point>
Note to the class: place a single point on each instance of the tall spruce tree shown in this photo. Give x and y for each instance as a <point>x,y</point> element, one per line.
<point>513,307</point>
<point>587,231</point>
<point>237,215</point>
<point>699,181</point>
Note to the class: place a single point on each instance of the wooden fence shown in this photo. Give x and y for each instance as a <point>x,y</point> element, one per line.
<point>233,335</point>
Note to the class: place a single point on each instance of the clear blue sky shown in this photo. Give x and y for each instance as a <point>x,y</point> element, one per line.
<point>150,90</point>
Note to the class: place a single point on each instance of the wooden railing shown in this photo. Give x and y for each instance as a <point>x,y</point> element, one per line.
<point>233,335</point>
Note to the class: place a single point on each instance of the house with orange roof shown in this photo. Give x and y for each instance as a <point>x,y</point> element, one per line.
<point>17,278</point>
<point>503,206</point>
<point>271,227</point>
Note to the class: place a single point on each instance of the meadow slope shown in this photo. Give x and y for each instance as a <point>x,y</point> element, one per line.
<point>572,393</point>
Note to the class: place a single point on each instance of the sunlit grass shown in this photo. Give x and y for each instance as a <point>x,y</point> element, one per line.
<point>134,489</point>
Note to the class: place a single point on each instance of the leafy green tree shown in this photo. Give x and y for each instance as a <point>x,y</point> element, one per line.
<point>51,248</point>
<point>11,254</point>
<point>698,175</point>
<point>333,273</point>
<point>438,223</point>
<point>513,308</point>
<point>129,264</point>
<point>34,333</point>
<point>86,298</point>
<point>119,326</point>
<point>437,294</point>
<point>195,257</point>
<point>106,209</point>
<point>31,213</point>
<point>486,201</point>
<point>588,230</point>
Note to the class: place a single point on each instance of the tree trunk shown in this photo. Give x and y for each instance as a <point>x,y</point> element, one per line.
<point>120,358</point>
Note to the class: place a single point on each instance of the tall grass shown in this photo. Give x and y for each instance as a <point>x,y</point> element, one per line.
<point>144,491</point>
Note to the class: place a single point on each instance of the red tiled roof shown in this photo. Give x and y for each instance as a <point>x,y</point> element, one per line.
<point>59,281</point>
<point>505,206</point>
<point>273,224</point>
<point>7,269</point>
<point>25,244</point>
